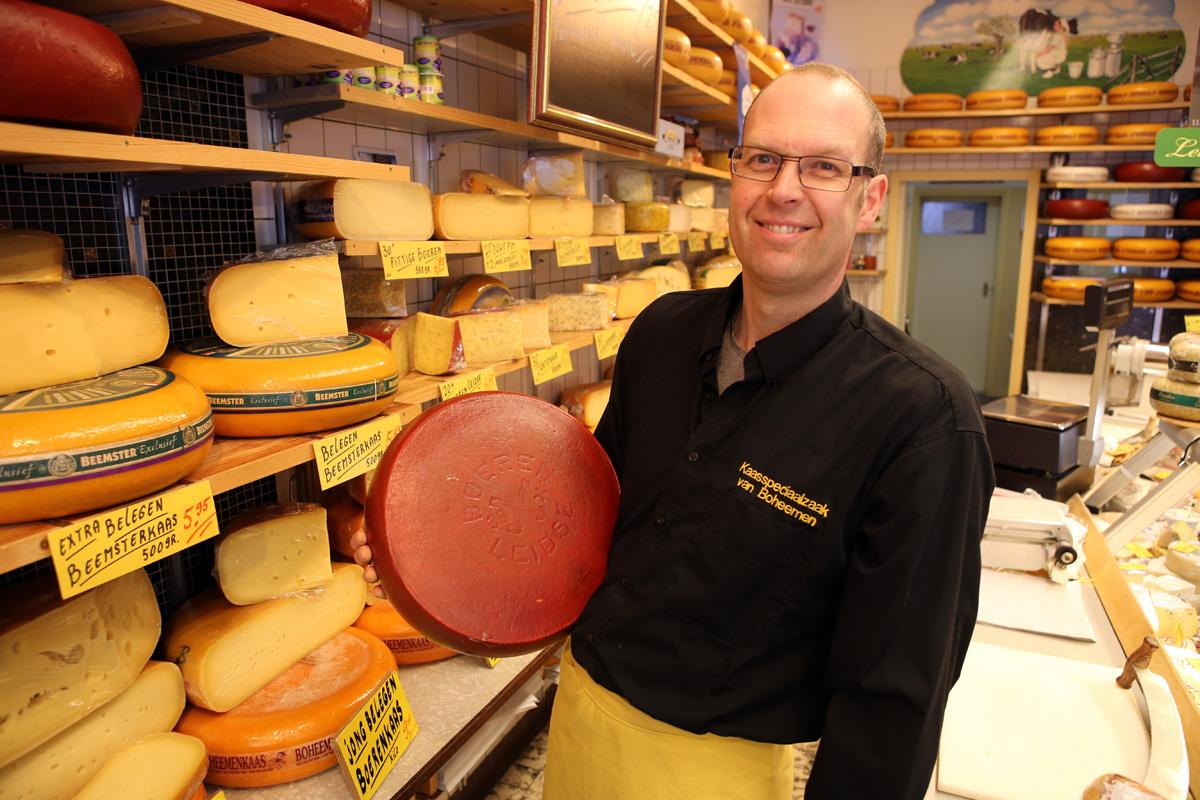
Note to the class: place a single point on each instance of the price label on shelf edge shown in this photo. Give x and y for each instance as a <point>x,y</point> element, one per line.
<point>371,743</point>
<point>483,380</point>
<point>505,255</point>
<point>345,454</point>
<point>408,260</point>
<point>608,341</point>
<point>572,252</point>
<point>668,244</point>
<point>697,240</point>
<point>1191,323</point>
<point>717,240</point>
<point>629,248</point>
<point>550,363</point>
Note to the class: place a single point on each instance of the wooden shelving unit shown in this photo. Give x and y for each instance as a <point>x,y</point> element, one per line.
<point>1160,223</point>
<point>1033,148</point>
<point>1114,262</point>
<point>691,97</point>
<point>1117,186</point>
<point>368,247</point>
<point>1035,112</point>
<point>1038,297</point>
<point>703,32</point>
<point>864,273</point>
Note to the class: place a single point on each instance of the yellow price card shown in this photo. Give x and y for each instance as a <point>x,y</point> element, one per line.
<point>697,240</point>
<point>1138,550</point>
<point>220,795</point>
<point>99,549</point>
<point>403,260</point>
<point>668,244</point>
<point>717,240</point>
<point>550,363</point>
<point>375,738</point>
<point>1192,323</point>
<point>345,454</point>
<point>608,341</point>
<point>483,380</point>
<point>491,662</point>
<point>629,247</point>
<point>506,255</point>
<point>572,252</point>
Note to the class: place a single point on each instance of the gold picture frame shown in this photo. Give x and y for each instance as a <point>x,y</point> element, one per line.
<point>596,68</point>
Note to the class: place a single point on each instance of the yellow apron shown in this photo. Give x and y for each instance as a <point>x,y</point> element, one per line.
<point>602,748</point>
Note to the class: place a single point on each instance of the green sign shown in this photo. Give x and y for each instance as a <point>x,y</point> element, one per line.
<point>1177,147</point>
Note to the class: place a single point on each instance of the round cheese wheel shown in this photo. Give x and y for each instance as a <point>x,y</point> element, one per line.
<point>285,731</point>
<point>1149,92</point>
<point>407,645</point>
<point>717,159</point>
<point>85,445</point>
<point>290,388</point>
<point>1076,174</point>
<point>933,101</point>
<point>344,518</point>
<point>1190,250</point>
<point>774,58</point>
<point>704,65</point>
<point>715,10</point>
<point>886,103</point>
<point>1068,134</point>
<point>1145,249</point>
<point>492,542</point>
<point>1184,360</point>
<point>889,139</point>
<point>999,137</point>
<point>757,43</point>
<point>996,99</point>
<point>1190,209</point>
<point>738,25</point>
<point>348,16</point>
<point>1146,172</point>
<point>1081,247</point>
<point>1067,288</point>
<point>470,293</point>
<point>1075,208</point>
<point>1152,290</point>
<point>66,70</point>
<point>199,794</point>
<point>1176,398</point>
<point>1135,132</point>
<point>933,137</point>
<point>1142,211</point>
<point>1188,290</point>
<point>728,82</point>
<point>676,47</point>
<point>1070,97</point>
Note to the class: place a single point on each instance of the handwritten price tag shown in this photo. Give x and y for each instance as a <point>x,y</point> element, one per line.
<point>482,381</point>
<point>220,795</point>
<point>572,252</point>
<point>375,738</point>
<point>102,548</point>
<point>1192,323</point>
<point>550,363</point>
<point>506,255</point>
<point>491,662</point>
<point>629,247</point>
<point>718,241</point>
<point>668,244</point>
<point>608,341</point>
<point>697,240</point>
<point>346,454</point>
<point>405,260</point>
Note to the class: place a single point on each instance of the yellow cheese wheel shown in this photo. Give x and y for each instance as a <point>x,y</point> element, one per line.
<point>757,43</point>
<point>775,60</point>
<point>676,47</point>
<point>285,731</point>
<point>996,99</point>
<point>933,101</point>
<point>407,645</point>
<point>1135,132</point>
<point>89,444</point>
<point>889,139</point>
<point>715,10</point>
<point>704,65</point>
<point>886,103</point>
<point>738,25</point>
<point>1067,288</point>
<point>1148,92</point>
<point>297,387</point>
<point>1152,290</point>
<point>717,159</point>
<point>1068,135</point>
<point>728,82</point>
<point>933,137</point>
<point>1145,249</point>
<point>999,137</point>
<point>1188,290</point>
<point>1070,97</point>
<point>1081,247</point>
<point>1191,250</point>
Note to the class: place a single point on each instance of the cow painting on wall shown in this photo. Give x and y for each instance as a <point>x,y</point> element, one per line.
<point>961,46</point>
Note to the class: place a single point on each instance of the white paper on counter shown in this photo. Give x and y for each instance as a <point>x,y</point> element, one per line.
<point>1033,603</point>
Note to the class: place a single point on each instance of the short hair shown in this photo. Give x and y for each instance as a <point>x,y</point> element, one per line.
<point>877,131</point>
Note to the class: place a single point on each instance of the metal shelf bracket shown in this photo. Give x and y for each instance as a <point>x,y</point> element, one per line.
<point>280,117</point>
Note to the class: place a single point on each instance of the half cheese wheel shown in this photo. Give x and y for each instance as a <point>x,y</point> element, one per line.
<point>1068,134</point>
<point>1152,211</point>
<point>1146,172</point>
<point>163,766</point>
<point>407,645</point>
<point>492,544</point>
<point>1191,250</point>
<point>1076,174</point>
<point>1145,249</point>
<point>1176,398</point>
<point>886,103</point>
<point>933,137</point>
<point>1149,92</point>
<point>676,47</point>
<point>704,65</point>
<point>1190,209</point>
<point>1070,97</point>
<point>89,444</point>
<point>1152,290</point>
<point>1188,290</point>
<point>285,731</point>
<point>470,293</point>
<point>999,137</point>
<point>1135,133</point>
<point>295,387</point>
<point>1082,247</point>
<point>933,101</point>
<point>996,99</point>
<point>1076,208</point>
<point>1067,288</point>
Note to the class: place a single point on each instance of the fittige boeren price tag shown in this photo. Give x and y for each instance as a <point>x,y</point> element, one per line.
<point>668,244</point>
<point>697,240</point>
<point>608,341</point>
<point>346,454</point>
<point>717,240</point>
<point>506,255</point>
<point>483,380</point>
<point>1191,323</point>
<point>572,252</point>
<point>99,549</point>
<point>629,248</point>
<point>405,260</point>
<point>375,738</point>
<point>550,363</point>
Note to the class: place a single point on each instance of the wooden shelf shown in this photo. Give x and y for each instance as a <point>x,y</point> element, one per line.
<point>1034,112</point>
<point>1033,148</point>
<point>873,232</point>
<point>369,247</point>
<point>864,273</point>
<point>54,150</point>
<point>367,107</point>
<point>1116,186</point>
<point>1038,297</point>
<point>686,95</point>
<point>291,47</point>
<point>1161,223</point>
<point>703,32</point>
<point>1113,262</point>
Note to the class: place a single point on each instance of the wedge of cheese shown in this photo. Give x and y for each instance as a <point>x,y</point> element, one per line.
<point>717,273</point>
<point>647,217</point>
<point>479,182</point>
<point>437,345</point>
<point>585,311</point>
<point>1183,559</point>
<point>667,279</point>
<point>495,335</point>
<point>587,402</point>
<point>559,174</point>
<point>158,766</point>
<point>552,217</point>
<point>535,323</point>
<point>632,185</point>
<point>697,193</point>
<point>228,652</point>
<point>463,216</point>
<point>608,219</point>
<point>626,298</point>
<point>369,294</point>
<point>273,551</point>
<point>398,334</point>
<point>680,220</point>
<point>706,219</point>
<point>356,208</point>
<point>30,257</point>
<point>281,300</point>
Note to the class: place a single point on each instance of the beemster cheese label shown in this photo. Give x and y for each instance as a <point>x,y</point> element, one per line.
<point>329,397</point>
<point>114,386</point>
<point>215,348</point>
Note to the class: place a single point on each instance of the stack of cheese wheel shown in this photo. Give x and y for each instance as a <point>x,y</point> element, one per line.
<point>999,137</point>
<point>408,646</point>
<point>1076,208</point>
<point>933,137</point>
<point>1142,93</point>
<point>1146,172</point>
<point>1083,248</point>
<point>1145,249</point>
<point>704,65</point>
<point>1142,211</point>
<point>1190,209</point>
<point>1152,290</point>
<point>889,139</point>
<point>739,26</point>
<point>1067,288</point>
<point>886,103</point>
<point>996,99</point>
<point>715,10</point>
<point>1071,174</point>
<point>1068,135</point>
<point>757,43</point>
<point>677,47</point>
<point>1178,395</point>
<point>1134,133</point>
<point>1190,250</point>
<point>1189,289</point>
<point>1070,97</point>
<point>933,101</point>
<point>774,58</point>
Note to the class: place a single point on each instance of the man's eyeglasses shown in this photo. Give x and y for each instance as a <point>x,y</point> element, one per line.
<point>816,172</point>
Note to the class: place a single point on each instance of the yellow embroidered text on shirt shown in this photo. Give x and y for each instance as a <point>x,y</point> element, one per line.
<point>777,495</point>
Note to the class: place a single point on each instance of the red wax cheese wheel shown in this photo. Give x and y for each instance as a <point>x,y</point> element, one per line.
<point>61,69</point>
<point>1081,247</point>
<point>996,99</point>
<point>1145,249</point>
<point>1190,209</point>
<point>999,137</point>
<point>1070,97</point>
<point>1191,250</point>
<point>1135,133</point>
<point>1147,172</point>
<point>1068,134</point>
<point>1067,288</point>
<point>348,16</point>
<point>1188,290</point>
<point>1149,92</point>
<point>492,544</point>
<point>886,103</point>
<point>1152,290</point>
<point>933,137</point>
<point>408,645</point>
<point>1076,208</point>
<point>285,731</point>
<point>933,101</point>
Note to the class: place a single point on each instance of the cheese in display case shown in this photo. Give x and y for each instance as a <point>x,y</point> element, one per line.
<point>355,208</point>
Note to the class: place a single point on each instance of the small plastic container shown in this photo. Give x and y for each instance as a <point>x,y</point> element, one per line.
<point>410,82</point>
<point>387,79</point>
<point>427,53</point>
<point>363,77</point>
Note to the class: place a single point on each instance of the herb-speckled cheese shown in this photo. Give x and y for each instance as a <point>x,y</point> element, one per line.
<point>585,311</point>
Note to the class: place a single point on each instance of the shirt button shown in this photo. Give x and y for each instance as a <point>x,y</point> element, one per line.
<point>710,395</point>
<point>588,636</point>
<point>774,385</point>
<point>693,456</point>
<point>708,356</point>
<point>625,581</point>
<point>661,520</point>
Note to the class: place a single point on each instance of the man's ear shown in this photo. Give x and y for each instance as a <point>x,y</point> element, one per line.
<point>875,194</point>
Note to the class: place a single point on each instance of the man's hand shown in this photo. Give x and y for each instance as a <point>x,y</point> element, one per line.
<point>362,557</point>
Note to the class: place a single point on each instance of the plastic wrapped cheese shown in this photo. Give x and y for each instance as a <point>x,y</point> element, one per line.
<point>31,257</point>
<point>696,193</point>
<point>491,335</point>
<point>535,323</point>
<point>1183,560</point>
<point>437,345</point>
<point>368,293</point>
<point>395,333</point>
<point>558,174</point>
<point>1184,359</point>
<point>584,311</point>
<point>273,551</point>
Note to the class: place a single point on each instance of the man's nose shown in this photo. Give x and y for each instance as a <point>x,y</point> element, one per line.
<point>787,188</point>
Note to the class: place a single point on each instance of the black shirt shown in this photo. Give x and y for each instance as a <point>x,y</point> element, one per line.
<point>798,557</point>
